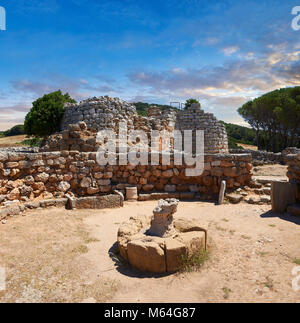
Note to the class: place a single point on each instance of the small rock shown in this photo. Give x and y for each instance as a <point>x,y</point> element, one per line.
<point>234,198</point>
<point>64,186</point>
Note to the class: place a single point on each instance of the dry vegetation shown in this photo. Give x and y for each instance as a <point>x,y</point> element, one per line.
<point>42,254</point>
<point>11,141</point>
<point>56,255</point>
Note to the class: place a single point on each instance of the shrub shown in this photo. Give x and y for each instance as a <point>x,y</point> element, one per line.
<point>46,113</point>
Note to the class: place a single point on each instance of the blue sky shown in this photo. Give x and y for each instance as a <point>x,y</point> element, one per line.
<point>220,52</point>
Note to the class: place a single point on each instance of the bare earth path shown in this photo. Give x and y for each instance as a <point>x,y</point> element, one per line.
<point>56,255</point>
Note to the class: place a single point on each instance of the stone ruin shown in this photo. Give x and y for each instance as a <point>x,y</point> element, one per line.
<point>66,164</point>
<point>159,244</point>
<point>106,113</point>
<point>286,195</point>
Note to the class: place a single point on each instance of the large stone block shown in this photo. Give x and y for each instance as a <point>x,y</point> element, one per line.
<point>98,202</point>
<point>282,195</point>
<point>175,250</point>
<point>155,260</point>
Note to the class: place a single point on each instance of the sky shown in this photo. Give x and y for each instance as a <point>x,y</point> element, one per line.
<point>223,53</point>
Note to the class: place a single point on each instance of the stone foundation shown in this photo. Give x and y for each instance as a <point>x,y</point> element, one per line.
<point>27,176</point>
<point>160,244</point>
<point>293,162</point>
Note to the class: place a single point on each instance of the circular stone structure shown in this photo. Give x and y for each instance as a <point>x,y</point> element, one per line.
<point>157,244</point>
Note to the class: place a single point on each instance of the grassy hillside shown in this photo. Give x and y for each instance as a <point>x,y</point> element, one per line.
<point>14,131</point>
<point>239,135</point>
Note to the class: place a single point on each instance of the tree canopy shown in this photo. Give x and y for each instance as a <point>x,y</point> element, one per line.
<point>276,115</point>
<point>46,113</point>
<point>189,102</point>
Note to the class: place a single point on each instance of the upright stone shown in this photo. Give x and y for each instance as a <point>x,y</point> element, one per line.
<point>222,192</point>
<point>131,193</point>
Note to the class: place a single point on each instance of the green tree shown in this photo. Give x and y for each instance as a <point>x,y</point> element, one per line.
<point>46,113</point>
<point>189,102</point>
<point>277,115</point>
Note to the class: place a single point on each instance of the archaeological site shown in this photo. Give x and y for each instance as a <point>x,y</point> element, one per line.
<point>65,174</point>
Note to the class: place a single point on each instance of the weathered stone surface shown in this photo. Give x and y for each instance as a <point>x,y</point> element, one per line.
<point>85,182</point>
<point>131,193</point>
<point>194,241</point>
<point>155,260</point>
<point>234,198</point>
<point>222,192</point>
<point>282,195</point>
<point>160,254</point>
<point>43,177</point>
<point>294,209</point>
<point>162,222</point>
<point>64,186</point>
<point>175,250</point>
<point>98,202</point>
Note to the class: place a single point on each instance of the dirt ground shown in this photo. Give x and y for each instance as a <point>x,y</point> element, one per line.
<point>271,171</point>
<point>56,255</point>
<point>251,147</point>
<point>11,141</point>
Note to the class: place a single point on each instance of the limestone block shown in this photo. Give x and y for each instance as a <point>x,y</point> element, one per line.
<point>175,250</point>
<point>85,182</point>
<point>155,260</point>
<point>194,241</point>
<point>282,195</point>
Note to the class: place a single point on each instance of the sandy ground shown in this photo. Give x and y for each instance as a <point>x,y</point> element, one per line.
<point>271,170</point>
<point>251,147</point>
<point>63,256</point>
<point>11,141</point>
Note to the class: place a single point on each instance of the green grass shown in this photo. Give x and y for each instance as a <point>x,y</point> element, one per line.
<point>193,262</point>
<point>34,142</point>
<point>245,237</point>
<point>296,261</point>
<point>269,283</point>
<point>227,292</point>
<point>262,253</point>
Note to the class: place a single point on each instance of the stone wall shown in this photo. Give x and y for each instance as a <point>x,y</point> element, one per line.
<point>261,157</point>
<point>215,135</point>
<point>293,162</point>
<point>99,113</point>
<point>28,176</point>
<point>106,113</point>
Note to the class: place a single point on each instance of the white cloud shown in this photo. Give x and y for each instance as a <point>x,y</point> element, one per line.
<point>228,51</point>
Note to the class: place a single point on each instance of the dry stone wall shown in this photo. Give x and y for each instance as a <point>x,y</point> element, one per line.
<point>28,176</point>
<point>99,113</point>
<point>215,135</point>
<point>261,157</point>
<point>293,162</point>
<point>106,113</point>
